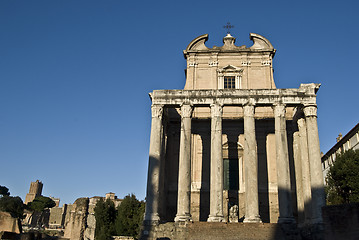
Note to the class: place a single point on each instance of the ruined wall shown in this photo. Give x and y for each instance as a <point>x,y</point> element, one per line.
<point>8,223</point>
<point>341,221</point>
<point>57,216</point>
<point>75,227</point>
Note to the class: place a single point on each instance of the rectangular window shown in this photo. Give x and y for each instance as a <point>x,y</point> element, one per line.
<point>230,174</point>
<point>229,82</point>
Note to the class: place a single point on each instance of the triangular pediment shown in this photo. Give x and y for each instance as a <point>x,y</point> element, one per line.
<point>230,68</point>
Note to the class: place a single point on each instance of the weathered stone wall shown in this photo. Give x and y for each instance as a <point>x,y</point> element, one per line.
<point>219,231</point>
<point>57,216</point>
<point>341,221</point>
<point>76,226</point>
<point>8,223</point>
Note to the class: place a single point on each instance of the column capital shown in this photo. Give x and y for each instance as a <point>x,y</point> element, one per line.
<point>157,110</point>
<point>216,110</point>
<point>279,110</point>
<point>248,110</point>
<point>310,111</point>
<point>186,110</point>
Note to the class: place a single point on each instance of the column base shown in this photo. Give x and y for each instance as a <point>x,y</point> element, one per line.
<point>255,219</point>
<point>183,218</point>
<point>215,218</point>
<point>316,221</point>
<point>286,220</point>
<point>151,219</point>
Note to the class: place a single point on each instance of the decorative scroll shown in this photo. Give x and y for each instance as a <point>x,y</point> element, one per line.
<point>192,64</point>
<point>246,63</point>
<point>279,110</point>
<point>266,63</point>
<point>157,111</point>
<point>216,110</point>
<point>310,111</point>
<point>213,63</point>
<point>186,111</point>
<point>248,110</point>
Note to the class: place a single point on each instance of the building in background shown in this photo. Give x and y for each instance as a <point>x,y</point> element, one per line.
<point>35,190</point>
<point>349,141</point>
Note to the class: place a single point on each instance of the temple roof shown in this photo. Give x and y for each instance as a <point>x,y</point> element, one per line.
<point>260,44</point>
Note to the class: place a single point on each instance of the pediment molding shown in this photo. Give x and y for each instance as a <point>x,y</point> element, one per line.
<point>230,68</point>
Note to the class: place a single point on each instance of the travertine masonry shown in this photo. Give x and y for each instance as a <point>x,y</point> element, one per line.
<point>231,138</point>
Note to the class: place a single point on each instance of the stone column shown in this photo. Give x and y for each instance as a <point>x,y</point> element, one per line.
<point>307,192</point>
<point>316,174</point>
<point>282,160</point>
<point>184,168</point>
<point>153,177</point>
<point>251,166</point>
<point>216,188</point>
<point>298,177</point>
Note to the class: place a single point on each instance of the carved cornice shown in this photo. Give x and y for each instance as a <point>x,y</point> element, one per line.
<point>267,97</point>
<point>230,68</point>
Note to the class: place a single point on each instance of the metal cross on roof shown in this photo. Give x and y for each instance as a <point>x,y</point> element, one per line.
<point>228,27</point>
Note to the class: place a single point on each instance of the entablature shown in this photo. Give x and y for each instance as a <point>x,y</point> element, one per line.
<point>305,95</point>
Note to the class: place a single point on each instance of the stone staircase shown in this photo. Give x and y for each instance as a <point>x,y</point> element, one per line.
<point>237,231</point>
<point>220,231</point>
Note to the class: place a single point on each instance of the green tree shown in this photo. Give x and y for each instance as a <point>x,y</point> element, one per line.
<point>105,214</point>
<point>4,191</point>
<point>40,203</point>
<point>129,216</point>
<point>38,206</point>
<point>343,179</point>
<point>12,205</point>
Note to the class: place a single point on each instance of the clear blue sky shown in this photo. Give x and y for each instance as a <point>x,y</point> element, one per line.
<point>75,77</point>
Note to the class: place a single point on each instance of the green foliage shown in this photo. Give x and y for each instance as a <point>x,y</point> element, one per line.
<point>105,213</point>
<point>129,216</point>
<point>40,203</point>
<point>12,205</point>
<point>123,221</point>
<point>343,179</point>
<point>4,191</point>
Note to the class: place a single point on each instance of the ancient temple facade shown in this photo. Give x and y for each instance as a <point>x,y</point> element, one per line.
<point>230,146</point>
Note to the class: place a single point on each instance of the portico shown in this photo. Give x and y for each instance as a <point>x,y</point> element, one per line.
<point>231,112</point>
